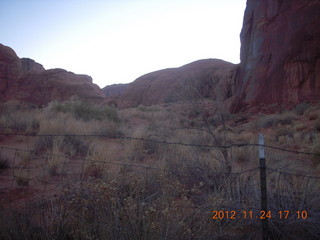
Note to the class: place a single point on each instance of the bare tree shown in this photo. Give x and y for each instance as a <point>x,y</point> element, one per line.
<point>204,104</point>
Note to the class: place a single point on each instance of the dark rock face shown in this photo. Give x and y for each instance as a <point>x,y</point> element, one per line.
<point>10,69</point>
<point>55,84</point>
<point>115,90</point>
<point>26,80</point>
<point>29,65</point>
<point>166,85</point>
<point>280,53</point>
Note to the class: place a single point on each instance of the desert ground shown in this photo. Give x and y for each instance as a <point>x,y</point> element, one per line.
<point>75,170</point>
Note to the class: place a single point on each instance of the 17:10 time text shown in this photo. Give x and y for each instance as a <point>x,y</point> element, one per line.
<point>283,214</point>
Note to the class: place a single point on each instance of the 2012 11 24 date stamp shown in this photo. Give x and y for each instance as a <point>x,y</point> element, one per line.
<point>281,214</point>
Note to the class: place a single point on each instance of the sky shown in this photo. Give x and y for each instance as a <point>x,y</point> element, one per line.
<point>117,41</point>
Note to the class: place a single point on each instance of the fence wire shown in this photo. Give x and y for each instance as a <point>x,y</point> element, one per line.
<point>227,146</point>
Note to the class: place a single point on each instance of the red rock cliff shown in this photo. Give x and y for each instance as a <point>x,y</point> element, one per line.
<point>280,53</point>
<point>26,80</point>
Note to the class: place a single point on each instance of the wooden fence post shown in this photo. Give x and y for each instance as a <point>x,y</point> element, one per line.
<point>263,187</point>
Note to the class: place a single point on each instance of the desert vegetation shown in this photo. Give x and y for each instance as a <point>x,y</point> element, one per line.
<point>159,172</point>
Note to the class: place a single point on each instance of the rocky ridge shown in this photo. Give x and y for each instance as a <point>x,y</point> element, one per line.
<point>168,85</point>
<point>26,80</point>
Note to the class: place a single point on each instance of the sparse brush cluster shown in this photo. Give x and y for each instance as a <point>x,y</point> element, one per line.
<point>85,110</point>
<point>21,121</point>
<point>153,204</point>
<point>158,205</point>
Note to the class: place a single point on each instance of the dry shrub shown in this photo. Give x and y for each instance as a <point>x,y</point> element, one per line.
<point>300,127</point>
<point>317,126</point>
<point>4,163</point>
<point>22,121</point>
<point>22,177</point>
<point>129,209</point>
<point>313,116</point>
<point>164,205</point>
<point>55,165</point>
<point>244,155</point>
<point>85,111</point>
<point>25,158</point>
<point>96,157</point>
<point>316,150</point>
<point>94,170</point>
<point>144,144</point>
<point>272,120</point>
<point>300,108</point>
<point>56,160</point>
<point>283,132</point>
<point>68,145</point>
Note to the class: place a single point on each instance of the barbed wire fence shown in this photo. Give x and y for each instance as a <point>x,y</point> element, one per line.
<point>286,191</point>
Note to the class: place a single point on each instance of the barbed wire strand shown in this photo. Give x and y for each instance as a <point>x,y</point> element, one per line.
<point>166,142</point>
<point>153,168</point>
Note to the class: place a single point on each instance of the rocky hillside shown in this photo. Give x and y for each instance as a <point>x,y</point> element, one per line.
<point>280,53</point>
<point>280,62</point>
<point>169,85</point>
<point>25,80</point>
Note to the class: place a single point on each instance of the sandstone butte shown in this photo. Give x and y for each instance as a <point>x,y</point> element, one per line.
<point>26,80</point>
<point>280,53</point>
<point>280,62</point>
<point>168,85</point>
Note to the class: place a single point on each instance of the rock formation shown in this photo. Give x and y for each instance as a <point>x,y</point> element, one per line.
<point>29,65</point>
<point>26,80</point>
<point>10,69</point>
<point>115,90</point>
<point>280,64</point>
<point>168,85</point>
<point>280,53</point>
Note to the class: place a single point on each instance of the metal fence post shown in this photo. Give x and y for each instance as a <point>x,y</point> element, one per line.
<point>263,187</point>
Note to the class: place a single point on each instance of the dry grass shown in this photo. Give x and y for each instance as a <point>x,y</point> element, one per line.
<point>4,163</point>
<point>22,177</point>
<point>25,158</point>
<point>174,201</point>
<point>19,121</point>
<point>274,120</point>
<point>162,205</point>
<point>56,160</point>
<point>316,150</point>
<point>136,150</point>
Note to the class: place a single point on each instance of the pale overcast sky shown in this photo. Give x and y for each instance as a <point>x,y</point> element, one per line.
<point>116,41</point>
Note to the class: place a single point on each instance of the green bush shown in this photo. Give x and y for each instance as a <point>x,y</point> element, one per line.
<point>85,110</point>
<point>148,108</point>
<point>301,108</point>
